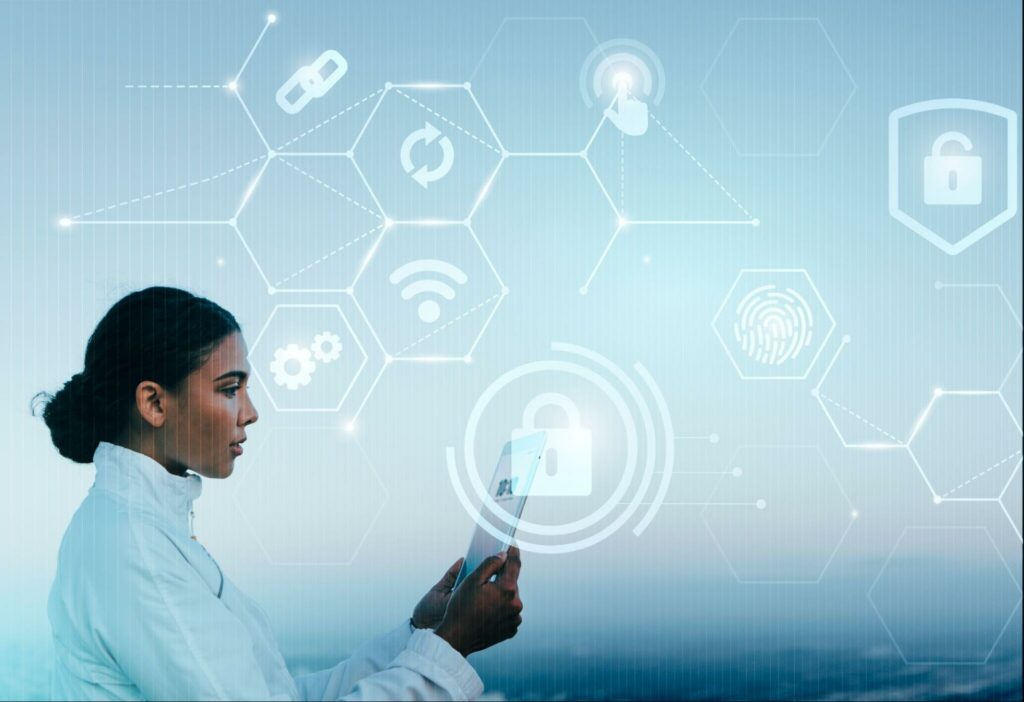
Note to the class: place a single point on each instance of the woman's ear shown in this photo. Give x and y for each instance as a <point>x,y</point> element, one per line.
<point>151,400</point>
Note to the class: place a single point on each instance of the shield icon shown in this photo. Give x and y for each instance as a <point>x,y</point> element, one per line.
<point>937,191</point>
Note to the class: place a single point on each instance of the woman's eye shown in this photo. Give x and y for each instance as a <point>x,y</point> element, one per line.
<point>230,392</point>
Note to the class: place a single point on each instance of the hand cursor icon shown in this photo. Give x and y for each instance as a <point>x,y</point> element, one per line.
<point>628,113</point>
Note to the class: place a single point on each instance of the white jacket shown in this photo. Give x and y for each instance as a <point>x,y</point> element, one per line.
<point>139,610</point>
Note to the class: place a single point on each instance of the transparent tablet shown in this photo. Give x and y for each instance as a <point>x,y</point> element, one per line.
<point>508,489</point>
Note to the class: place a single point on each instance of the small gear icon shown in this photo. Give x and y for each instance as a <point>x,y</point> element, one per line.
<point>293,355</point>
<point>327,347</point>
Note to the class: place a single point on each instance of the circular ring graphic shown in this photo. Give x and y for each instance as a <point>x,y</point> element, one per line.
<point>628,421</point>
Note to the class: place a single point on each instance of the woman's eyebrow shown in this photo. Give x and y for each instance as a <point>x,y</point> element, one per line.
<point>241,375</point>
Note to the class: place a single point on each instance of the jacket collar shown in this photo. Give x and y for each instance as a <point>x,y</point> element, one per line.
<point>142,482</point>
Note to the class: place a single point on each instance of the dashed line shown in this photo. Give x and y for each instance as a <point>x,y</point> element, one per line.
<point>179,86</point>
<point>328,255</point>
<point>991,468</point>
<point>449,323</point>
<point>330,119</point>
<point>172,190</point>
<point>437,114</point>
<point>881,431</point>
<point>328,187</point>
<point>701,166</point>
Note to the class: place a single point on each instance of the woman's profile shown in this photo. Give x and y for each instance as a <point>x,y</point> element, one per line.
<point>138,608</point>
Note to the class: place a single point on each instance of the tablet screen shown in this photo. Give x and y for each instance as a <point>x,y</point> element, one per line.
<point>508,489</point>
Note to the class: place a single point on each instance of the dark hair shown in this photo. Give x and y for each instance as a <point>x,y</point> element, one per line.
<point>158,334</point>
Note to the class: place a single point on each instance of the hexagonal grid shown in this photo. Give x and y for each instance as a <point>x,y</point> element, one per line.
<point>396,356</point>
<point>842,64</point>
<point>254,528</point>
<point>1014,489</point>
<point>267,388</point>
<point>821,343</point>
<point>885,625</point>
<point>853,514</point>
<point>938,395</point>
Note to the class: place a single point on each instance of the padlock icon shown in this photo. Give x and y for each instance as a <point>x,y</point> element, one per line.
<point>952,180</point>
<point>566,468</point>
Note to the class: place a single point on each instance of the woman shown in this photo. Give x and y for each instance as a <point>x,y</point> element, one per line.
<point>138,608</point>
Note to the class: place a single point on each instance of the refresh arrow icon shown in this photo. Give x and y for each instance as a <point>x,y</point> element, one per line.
<point>427,135</point>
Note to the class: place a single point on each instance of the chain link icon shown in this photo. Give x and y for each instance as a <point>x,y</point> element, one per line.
<point>310,82</point>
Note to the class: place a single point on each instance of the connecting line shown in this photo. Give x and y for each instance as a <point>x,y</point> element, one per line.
<point>939,285</point>
<point>90,222</point>
<point>201,181</point>
<point>330,119</point>
<point>449,323</point>
<point>701,166</point>
<point>369,392</point>
<point>991,468</point>
<point>331,189</point>
<point>270,21</point>
<point>437,114</point>
<point>179,86</point>
<point>329,255</point>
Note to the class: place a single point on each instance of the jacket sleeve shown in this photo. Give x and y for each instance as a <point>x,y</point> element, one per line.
<point>176,640</point>
<point>398,665</point>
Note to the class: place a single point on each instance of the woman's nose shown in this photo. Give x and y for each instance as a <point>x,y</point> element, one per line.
<point>249,414</point>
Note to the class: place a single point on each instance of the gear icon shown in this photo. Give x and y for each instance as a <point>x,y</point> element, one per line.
<point>326,347</point>
<point>293,354</point>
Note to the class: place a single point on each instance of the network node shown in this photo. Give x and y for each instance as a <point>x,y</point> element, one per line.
<point>271,154</point>
<point>350,155</point>
<point>815,392</point>
<point>388,359</point>
<point>854,514</point>
<point>348,291</point>
<point>233,222</point>
<point>220,262</point>
<point>505,153</point>
<point>271,18</point>
<point>737,472</point>
<point>846,338</point>
<point>65,222</point>
<point>233,86</point>
<point>646,260</point>
<point>761,504</point>
<point>939,285</point>
<point>350,427</point>
<point>389,85</point>
<point>467,85</point>
<point>388,223</point>
<point>467,359</point>
<point>714,438</point>
<point>937,499</point>
<point>504,290</point>
<point>583,290</point>
<point>755,222</point>
<point>271,290</point>
<point>937,392</point>
<point>623,221</point>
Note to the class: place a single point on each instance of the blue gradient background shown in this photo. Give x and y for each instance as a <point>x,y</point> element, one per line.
<point>655,616</point>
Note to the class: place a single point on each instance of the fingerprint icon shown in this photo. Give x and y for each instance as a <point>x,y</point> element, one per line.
<point>772,326</point>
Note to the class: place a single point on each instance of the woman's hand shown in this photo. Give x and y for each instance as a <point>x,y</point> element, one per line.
<point>430,610</point>
<point>481,613</point>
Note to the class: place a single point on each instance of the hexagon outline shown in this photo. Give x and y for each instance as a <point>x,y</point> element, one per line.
<point>355,376</point>
<point>369,524</point>
<point>993,223</point>
<point>467,357</point>
<point>828,562</point>
<point>821,301</point>
<point>936,497</point>
<point>885,565</point>
<point>1002,504</point>
<point>465,87</point>
<point>835,51</point>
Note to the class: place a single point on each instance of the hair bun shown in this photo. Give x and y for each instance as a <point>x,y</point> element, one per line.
<point>76,427</point>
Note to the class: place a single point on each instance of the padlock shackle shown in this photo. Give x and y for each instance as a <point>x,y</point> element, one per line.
<point>947,137</point>
<point>549,399</point>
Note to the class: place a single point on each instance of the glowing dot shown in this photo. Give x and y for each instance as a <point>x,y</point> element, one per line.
<point>348,290</point>
<point>233,86</point>
<point>271,18</point>
<point>937,500</point>
<point>623,221</point>
<point>846,338</point>
<point>65,222</point>
<point>350,155</point>
<point>388,222</point>
<point>623,80</point>
<point>504,290</point>
<point>271,290</point>
<point>854,514</point>
<point>429,311</point>
<point>271,154</point>
<point>350,427</point>
<point>714,438</point>
<point>761,504</point>
<point>232,222</point>
<point>755,222</point>
<point>938,285</point>
<point>467,359</point>
<point>583,290</point>
<point>467,85</point>
<point>388,358</point>
<point>814,392</point>
<point>937,392</point>
<point>647,260</point>
<point>220,262</point>
<point>737,472</point>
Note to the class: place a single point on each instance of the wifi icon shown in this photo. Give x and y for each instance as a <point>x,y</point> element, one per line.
<point>429,309</point>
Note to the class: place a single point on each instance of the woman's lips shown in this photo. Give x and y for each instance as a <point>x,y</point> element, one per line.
<point>236,449</point>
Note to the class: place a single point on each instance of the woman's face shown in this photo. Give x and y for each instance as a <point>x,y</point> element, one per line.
<point>211,410</point>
